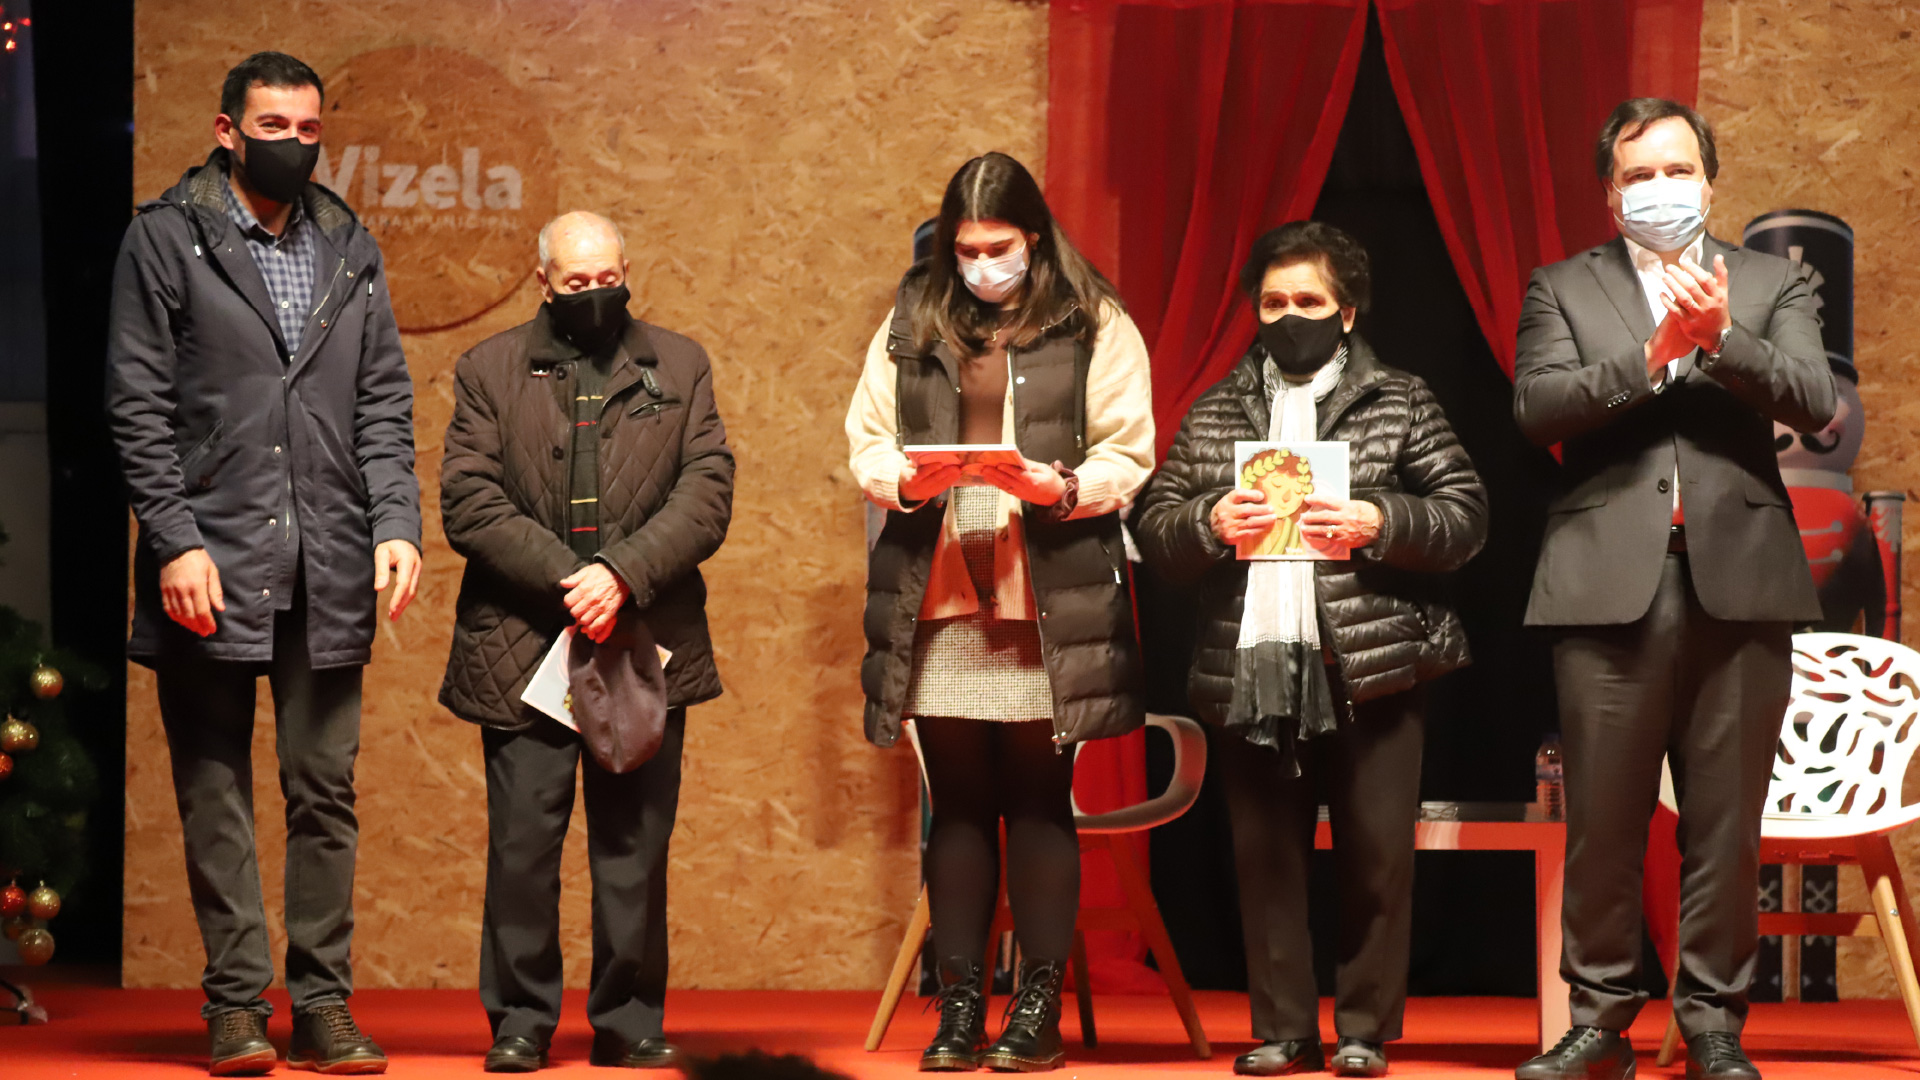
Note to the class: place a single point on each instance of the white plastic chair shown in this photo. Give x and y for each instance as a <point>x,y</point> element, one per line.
<point>1140,914</point>
<point>1852,726</point>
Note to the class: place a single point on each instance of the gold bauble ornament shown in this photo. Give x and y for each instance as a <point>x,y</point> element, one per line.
<point>35,945</point>
<point>18,737</point>
<point>47,682</point>
<point>43,903</point>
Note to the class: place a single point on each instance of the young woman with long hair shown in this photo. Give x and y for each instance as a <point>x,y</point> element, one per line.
<point>998,615</point>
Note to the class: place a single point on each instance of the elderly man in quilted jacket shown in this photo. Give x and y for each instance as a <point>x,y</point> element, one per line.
<point>587,477</point>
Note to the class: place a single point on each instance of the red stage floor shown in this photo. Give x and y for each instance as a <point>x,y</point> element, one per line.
<point>101,1033</point>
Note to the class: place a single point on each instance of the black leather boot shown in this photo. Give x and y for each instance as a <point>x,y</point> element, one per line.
<point>1031,1040</point>
<point>963,1019</point>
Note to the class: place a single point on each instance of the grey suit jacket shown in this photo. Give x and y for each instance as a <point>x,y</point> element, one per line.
<point>1580,380</point>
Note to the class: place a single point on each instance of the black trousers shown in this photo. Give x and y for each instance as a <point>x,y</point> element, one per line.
<point>206,707</point>
<point>1370,773</point>
<point>530,785</point>
<point>1709,696</point>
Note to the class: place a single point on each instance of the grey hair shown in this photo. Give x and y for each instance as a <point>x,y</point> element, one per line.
<point>546,233</point>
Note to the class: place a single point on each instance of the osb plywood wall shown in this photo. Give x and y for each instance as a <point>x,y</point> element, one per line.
<point>768,162</point>
<point>1816,104</point>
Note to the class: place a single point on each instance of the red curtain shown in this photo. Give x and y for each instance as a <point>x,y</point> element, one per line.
<point>1503,98</point>
<point>1178,130</point>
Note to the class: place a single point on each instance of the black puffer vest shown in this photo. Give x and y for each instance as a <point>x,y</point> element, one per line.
<point>1078,567</point>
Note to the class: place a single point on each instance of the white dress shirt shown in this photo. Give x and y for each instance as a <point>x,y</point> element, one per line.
<point>1653,284</point>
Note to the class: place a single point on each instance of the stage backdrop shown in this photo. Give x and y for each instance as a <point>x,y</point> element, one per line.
<point>768,162</point>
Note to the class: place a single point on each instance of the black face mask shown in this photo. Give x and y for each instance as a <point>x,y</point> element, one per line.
<point>279,168</point>
<point>1299,345</point>
<point>590,318</point>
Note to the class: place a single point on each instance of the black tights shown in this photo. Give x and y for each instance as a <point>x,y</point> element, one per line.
<point>979,771</point>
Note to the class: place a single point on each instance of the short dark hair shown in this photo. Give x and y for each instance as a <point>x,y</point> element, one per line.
<point>275,69</point>
<point>1630,120</point>
<point>1340,257</point>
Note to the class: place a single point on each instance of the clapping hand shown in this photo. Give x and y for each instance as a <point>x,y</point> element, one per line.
<point>1698,300</point>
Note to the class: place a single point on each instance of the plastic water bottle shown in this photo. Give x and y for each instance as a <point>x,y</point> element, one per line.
<point>1549,779</point>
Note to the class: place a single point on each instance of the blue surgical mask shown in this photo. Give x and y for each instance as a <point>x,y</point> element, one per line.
<point>1663,214</point>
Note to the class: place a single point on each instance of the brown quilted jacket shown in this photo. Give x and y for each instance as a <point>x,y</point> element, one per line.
<point>666,496</point>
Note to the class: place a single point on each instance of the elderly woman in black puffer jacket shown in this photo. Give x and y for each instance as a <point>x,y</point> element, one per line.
<point>1314,669</point>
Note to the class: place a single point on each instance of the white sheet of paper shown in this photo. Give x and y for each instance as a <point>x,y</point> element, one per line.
<point>550,690</point>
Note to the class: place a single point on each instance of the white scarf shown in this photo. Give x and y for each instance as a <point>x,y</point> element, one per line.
<point>1280,600</point>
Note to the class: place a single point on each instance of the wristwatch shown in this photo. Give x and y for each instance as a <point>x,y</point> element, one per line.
<point>1712,356</point>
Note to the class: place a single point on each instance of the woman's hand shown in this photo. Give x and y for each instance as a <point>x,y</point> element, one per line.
<point>918,485</point>
<point>1242,514</point>
<point>1029,482</point>
<point>1339,523</point>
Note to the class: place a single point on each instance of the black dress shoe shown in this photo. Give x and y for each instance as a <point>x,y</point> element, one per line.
<point>957,1045</point>
<point>1031,1040</point>
<point>326,1040</point>
<point>1716,1055</point>
<point>1358,1057</point>
<point>654,1053</point>
<point>1583,1053</point>
<point>516,1054</point>
<point>237,1044</point>
<point>1281,1056</point>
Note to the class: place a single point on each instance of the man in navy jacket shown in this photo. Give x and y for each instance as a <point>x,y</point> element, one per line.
<point>264,419</point>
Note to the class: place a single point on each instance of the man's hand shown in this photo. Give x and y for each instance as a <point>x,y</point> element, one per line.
<point>594,596</point>
<point>1339,523</point>
<point>1242,514</point>
<point>918,485</point>
<point>1698,300</point>
<point>190,591</point>
<point>401,560</point>
<point>1669,343</point>
<point>1029,482</point>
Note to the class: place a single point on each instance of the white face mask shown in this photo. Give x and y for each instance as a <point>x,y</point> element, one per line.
<point>993,280</point>
<point>1663,214</point>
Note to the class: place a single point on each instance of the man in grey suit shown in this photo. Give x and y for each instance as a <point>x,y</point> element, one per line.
<point>1671,573</point>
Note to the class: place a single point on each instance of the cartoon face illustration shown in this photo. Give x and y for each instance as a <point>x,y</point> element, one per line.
<point>1832,448</point>
<point>1286,479</point>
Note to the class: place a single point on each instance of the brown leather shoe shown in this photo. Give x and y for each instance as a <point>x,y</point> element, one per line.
<point>326,1040</point>
<point>237,1044</point>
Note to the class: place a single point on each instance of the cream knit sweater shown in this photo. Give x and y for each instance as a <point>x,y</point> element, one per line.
<point>1119,460</point>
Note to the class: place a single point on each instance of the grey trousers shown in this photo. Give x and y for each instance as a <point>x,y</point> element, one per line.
<point>530,785</point>
<point>1709,695</point>
<point>206,707</point>
<point>1370,771</point>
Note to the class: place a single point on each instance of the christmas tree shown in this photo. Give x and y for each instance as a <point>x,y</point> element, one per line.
<point>47,784</point>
